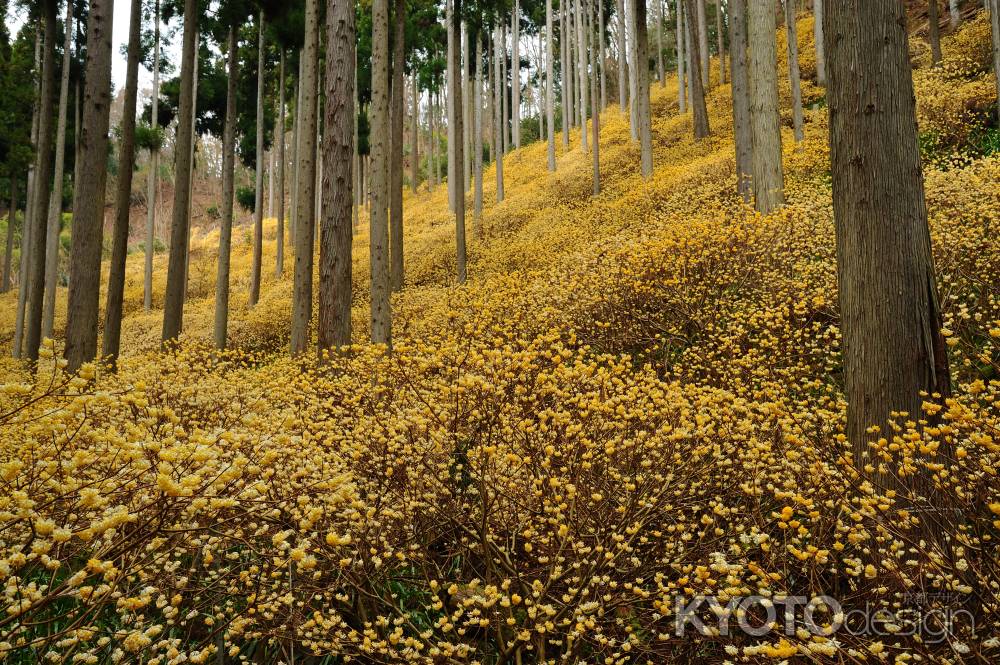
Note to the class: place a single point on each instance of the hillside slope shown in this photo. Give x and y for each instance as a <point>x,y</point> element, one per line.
<point>635,400</point>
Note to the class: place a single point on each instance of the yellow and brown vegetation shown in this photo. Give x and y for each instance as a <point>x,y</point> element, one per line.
<point>636,398</point>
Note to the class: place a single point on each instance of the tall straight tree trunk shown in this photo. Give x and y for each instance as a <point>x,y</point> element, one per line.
<point>504,108</point>
<point>818,22</point>
<point>191,170</point>
<point>279,267</point>
<point>398,97</point>
<point>9,249</point>
<point>334,329</point>
<point>581,67</point>
<point>793,69</point>
<point>498,121</point>
<point>623,66</point>
<point>228,166</point>
<point>477,137</point>
<point>700,113</point>
<point>515,73</point>
<point>765,121</point>
<point>934,30</point>
<point>689,47</point>
<point>460,156</point>
<point>894,353</point>
<point>88,194</point>
<point>55,200</point>
<point>466,111</point>
<point>661,77</point>
<point>119,242</point>
<point>381,315</point>
<point>432,142</point>
<point>154,167</point>
<point>452,72</point>
<point>565,74</point>
<point>720,40</point>
<point>743,136</point>
<point>955,14</point>
<point>415,137</point>
<point>356,165</point>
<point>29,206</point>
<point>633,72</point>
<point>681,59</point>
<point>35,283</point>
<point>702,43</point>
<point>645,122</point>
<point>305,221</point>
<point>173,302</point>
<point>258,199</point>
<point>550,116</point>
<point>595,112</point>
<point>296,131</point>
<point>602,57</point>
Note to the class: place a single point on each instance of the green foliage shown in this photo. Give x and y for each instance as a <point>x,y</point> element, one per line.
<point>246,198</point>
<point>148,138</point>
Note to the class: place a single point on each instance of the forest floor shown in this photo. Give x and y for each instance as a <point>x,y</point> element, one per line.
<point>635,399</point>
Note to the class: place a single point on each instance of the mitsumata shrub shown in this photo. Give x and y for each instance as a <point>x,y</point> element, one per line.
<point>634,403</point>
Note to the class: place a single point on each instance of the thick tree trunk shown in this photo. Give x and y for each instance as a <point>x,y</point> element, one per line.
<point>54,221</point>
<point>397,97</point>
<point>645,122</point>
<point>581,66</point>
<point>550,116</point>
<point>703,44</point>
<point>88,194</point>
<point>743,136</point>
<point>334,329</point>
<point>955,14</point>
<point>681,59</point>
<point>381,315</point>
<point>279,267</point>
<point>700,113</point>
<point>119,242</point>
<point>820,42</point>
<point>9,249</point>
<point>154,167</point>
<point>228,166</point>
<point>793,69</point>
<point>623,66</point>
<point>305,222</point>
<point>173,303</point>
<point>765,121</point>
<point>258,201</point>
<point>894,354</point>
<point>498,121</point>
<point>35,283</point>
<point>460,156</point>
<point>934,30</point>
<point>29,206</point>
<point>689,47</point>
<point>466,111</point>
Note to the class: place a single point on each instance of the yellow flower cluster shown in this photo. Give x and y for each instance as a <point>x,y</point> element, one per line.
<point>635,400</point>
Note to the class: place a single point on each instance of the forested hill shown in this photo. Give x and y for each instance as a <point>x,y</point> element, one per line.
<point>636,397</point>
